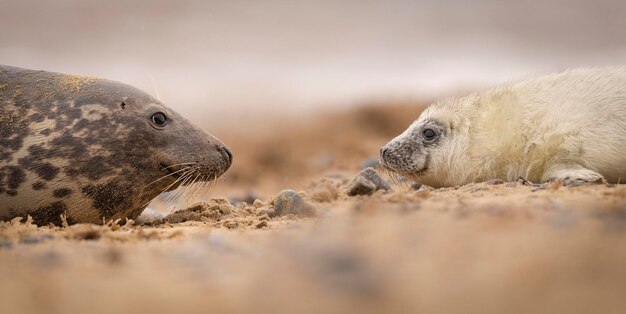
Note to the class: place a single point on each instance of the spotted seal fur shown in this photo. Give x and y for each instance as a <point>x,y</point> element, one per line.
<point>568,127</point>
<point>93,149</point>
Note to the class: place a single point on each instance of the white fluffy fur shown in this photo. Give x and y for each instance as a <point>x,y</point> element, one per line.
<point>566,126</point>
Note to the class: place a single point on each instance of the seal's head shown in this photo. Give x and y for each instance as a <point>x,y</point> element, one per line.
<point>426,152</point>
<point>158,138</point>
<point>135,147</point>
<point>93,149</point>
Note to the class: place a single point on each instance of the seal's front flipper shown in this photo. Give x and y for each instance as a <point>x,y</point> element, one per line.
<point>573,176</point>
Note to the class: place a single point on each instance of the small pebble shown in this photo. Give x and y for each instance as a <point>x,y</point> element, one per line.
<point>36,239</point>
<point>5,244</point>
<point>267,212</point>
<point>373,176</point>
<point>290,202</point>
<point>248,198</point>
<point>523,181</point>
<point>367,182</point>
<point>90,234</point>
<point>361,186</point>
<point>262,224</point>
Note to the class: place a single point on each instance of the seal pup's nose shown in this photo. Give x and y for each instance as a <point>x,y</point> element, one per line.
<point>383,152</point>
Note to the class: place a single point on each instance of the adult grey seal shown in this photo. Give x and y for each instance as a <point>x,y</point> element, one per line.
<point>93,149</point>
<point>569,127</point>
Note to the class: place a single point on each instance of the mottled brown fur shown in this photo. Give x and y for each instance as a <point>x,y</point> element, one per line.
<point>87,148</point>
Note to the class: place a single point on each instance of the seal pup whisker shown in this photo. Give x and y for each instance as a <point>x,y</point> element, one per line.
<point>395,178</point>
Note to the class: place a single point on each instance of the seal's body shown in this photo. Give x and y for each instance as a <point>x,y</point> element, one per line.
<point>569,127</point>
<point>92,149</point>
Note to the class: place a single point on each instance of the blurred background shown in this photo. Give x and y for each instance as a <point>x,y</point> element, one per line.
<point>213,60</point>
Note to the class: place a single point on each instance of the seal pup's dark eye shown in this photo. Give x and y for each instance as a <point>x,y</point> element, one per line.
<point>429,134</point>
<point>159,119</point>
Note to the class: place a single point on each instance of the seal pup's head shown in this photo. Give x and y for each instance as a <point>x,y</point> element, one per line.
<point>428,151</point>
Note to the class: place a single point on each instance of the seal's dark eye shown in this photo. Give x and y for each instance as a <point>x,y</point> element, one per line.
<point>159,119</point>
<point>429,134</point>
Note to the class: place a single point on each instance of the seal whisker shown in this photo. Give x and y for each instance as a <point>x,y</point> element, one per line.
<point>202,187</point>
<point>183,177</point>
<point>165,176</point>
<point>185,183</point>
<point>180,164</point>
<point>143,188</point>
<point>193,187</point>
<point>199,188</point>
<point>192,194</point>
<point>154,84</point>
<point>176,195</point>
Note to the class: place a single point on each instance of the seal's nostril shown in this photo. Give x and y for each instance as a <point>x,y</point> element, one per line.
<point>229,155</point>
<point>383,152</point>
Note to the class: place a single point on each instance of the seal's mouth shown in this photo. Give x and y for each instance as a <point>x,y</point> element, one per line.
<point>191,172</point>
<point>407,172</point>
<point>419,173</point>
<point>414,173</point>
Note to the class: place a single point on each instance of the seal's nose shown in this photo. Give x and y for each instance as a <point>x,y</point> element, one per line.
<point>226,154</point>
<point>383,152</point>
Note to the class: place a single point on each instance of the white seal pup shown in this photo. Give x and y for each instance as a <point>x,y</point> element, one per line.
<point>569,127</point>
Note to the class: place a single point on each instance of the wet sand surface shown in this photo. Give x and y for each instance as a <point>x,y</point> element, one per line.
<point>248,246</point>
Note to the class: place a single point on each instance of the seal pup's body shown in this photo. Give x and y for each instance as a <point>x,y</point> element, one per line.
<point>569,127</point>
<point>92,149</point>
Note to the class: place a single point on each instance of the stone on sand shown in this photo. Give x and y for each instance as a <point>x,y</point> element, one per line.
<point>290,202</point>
<point>367,182</point>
